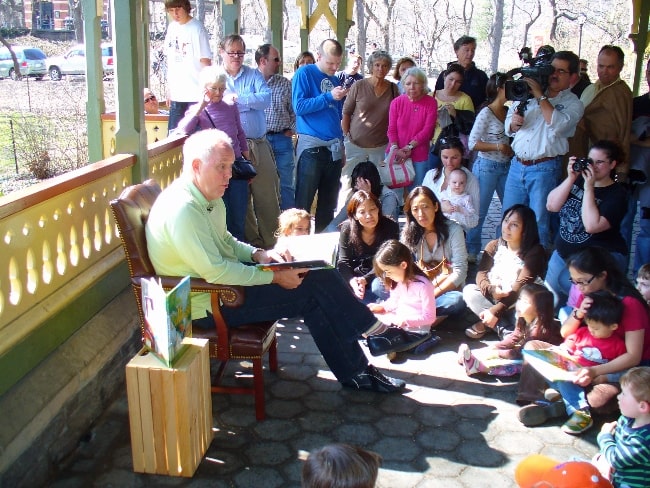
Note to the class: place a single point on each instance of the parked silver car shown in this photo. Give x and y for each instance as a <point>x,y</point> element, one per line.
<point>73,62</point>
<point>31,61</point>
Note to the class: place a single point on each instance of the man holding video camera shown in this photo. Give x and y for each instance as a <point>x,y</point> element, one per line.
<point>540,138</point>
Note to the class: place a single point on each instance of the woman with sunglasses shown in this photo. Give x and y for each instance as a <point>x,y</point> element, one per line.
<point>592,206</point>
<point>451,154</point>
<point>432,238</point>
<point>594,269</point>
<point>488,138</point>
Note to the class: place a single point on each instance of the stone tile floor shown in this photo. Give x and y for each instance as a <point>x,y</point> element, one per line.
<point>447,430</point>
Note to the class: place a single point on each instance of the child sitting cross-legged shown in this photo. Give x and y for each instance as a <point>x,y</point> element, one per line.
<point>534,321</point>
<point>625,444</point>
<point>589,346</point>
<point>410,309</point>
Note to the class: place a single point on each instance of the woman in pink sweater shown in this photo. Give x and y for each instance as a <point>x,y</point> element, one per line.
<point>411,122</point>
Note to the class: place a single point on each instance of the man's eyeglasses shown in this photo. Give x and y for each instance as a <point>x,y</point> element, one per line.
<point>236,54</point>
<point>561,71</point>
<point>277,60</point>
<point>583,283</point>
<point>149,98</point>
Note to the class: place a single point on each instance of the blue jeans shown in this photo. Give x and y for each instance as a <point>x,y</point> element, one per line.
<point>236,200</point>
<point>176,113</point>
<point>530,185</point>
<point>421,169</point>
<point>573,396</point>
<point>335,318</point>
<point>642,253</point>
<point>558,280</point>
<point>492,177</point>
<point>283,151</point>
<point>318,172</point>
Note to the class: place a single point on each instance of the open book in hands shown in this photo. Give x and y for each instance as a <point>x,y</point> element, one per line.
<point>553,364</point>
<point>314,251</point>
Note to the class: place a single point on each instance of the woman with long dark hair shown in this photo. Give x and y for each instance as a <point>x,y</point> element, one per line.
<point>439,248</point>
<point>488,138</point>
<point>361,235</point>
<point>508,263</point>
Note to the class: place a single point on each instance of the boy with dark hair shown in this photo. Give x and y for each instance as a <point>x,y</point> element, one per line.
<point>625,444</point>
<point>187,49</point>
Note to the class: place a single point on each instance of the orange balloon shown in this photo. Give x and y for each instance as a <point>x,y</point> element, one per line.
<point>532,469</point>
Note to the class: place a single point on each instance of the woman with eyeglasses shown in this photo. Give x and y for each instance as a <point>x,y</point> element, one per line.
<point>508,263</point>
<point>365,230</point>
<point>438,244</point>
<point>212,112</point>
<point>365,118</point>
<point>488,138</point>
<point>451,154</point>
<point>594,269</point>
<point>411,121</point>
<point>592,206</point>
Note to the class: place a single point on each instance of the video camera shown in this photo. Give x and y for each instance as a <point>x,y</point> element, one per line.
<point>539,69</point>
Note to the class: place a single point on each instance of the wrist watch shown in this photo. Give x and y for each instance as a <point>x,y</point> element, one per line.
<point>575,315</point>
<point>540,99</point>
<point>410,146</point>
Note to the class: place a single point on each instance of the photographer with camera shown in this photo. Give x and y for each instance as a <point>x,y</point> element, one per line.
<point>540,139</point>
<point>591,206</point>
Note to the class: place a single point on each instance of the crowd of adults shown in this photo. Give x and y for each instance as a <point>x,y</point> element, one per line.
<point>316,142</point>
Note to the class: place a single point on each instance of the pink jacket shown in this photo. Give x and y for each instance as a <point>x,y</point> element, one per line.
<point>413,303</point>
<point>409,120</point>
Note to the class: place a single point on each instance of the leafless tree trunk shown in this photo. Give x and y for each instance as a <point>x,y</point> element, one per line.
<point>13,56</point>
<point>496,34</point>
<point>200,11</point>
<point>532,19</point>
<point>362,40</point>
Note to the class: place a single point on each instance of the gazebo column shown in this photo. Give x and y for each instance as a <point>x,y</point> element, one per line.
<point>95,105</point>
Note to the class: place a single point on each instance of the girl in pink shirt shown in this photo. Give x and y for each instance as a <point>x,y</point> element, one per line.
<point>411,304</point>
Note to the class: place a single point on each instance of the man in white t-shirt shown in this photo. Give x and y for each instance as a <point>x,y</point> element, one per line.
<point>187,47</point>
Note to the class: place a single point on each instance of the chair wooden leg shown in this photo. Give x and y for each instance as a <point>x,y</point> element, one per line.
<point>273,356</point>
<point>258,385</point>
<point>218,376</point>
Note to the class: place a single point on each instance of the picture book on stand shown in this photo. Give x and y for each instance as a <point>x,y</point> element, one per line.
<point>167,318</point>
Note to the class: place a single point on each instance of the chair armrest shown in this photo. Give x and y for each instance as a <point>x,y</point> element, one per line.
<point>229,295</point>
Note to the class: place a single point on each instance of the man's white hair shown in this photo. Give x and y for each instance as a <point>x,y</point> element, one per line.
<point>201,144</point>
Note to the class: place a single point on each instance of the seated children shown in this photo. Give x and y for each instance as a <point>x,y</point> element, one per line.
<point>341,465</point>
<point>589,345</point>
<point>534,321</point>
<point>463,210</point>
<point>410,309</point>
<point>625,444</point>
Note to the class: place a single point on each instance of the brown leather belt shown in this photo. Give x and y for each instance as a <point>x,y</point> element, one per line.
<point>533,162</point>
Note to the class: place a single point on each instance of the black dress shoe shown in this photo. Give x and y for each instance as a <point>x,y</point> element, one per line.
<point>394,339</point>
<point>374,380</point>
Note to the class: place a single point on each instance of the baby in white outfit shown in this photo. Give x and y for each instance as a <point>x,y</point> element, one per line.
<point>463,210</point>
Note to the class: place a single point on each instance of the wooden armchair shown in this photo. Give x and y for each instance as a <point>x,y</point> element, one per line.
<point>250,341</point>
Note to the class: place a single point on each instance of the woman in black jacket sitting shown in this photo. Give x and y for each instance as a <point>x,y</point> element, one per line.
<point>361,235</point>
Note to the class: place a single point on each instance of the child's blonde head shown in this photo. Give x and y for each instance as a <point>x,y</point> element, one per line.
<point>637,380</point>
<point>644,272</point>
<point>289,219</point>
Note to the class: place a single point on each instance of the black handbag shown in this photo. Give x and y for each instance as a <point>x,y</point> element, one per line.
<point>243,169</point>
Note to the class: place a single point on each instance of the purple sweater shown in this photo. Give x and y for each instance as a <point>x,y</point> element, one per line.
<point>409,120</point>
<point>225,118</point>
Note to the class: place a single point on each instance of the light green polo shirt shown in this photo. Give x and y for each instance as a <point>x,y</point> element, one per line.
<point>187,235</point>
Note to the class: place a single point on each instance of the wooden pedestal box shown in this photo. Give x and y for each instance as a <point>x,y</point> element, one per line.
<point>170,410</point>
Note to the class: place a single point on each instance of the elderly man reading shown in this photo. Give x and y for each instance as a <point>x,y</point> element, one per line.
<point>186,235</point>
